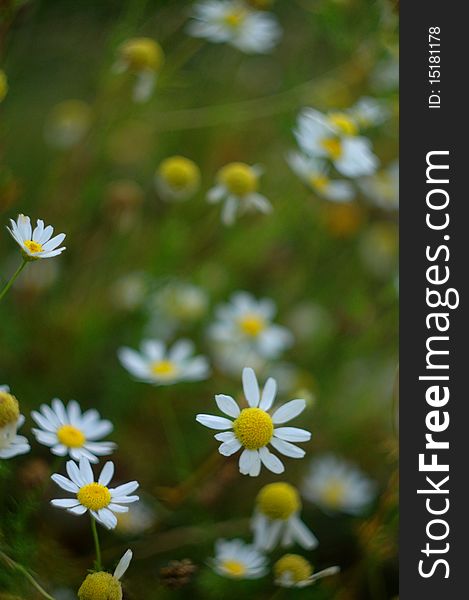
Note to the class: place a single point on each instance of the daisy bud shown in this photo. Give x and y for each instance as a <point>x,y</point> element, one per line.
<point>139,54</point>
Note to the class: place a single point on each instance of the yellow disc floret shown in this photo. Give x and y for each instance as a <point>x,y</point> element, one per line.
<point>9,409</point>
<point>252,325</point>
<point>333,494</point>
<point>333,147</point>
<point>180,173</point>
<point>253,428</point>
<point>345,124</point>
<point>100,586</point>
<point>142,53</point>
<point>94,496</point>
<point>233,568</point>
<point>33,247</point>
<point>239,178</point>
<point>278,500</point>
<point>70,436</point>
<point>164,368</point>
<point>294,567</point>
<point>235,18</point>
<point>319,182</point>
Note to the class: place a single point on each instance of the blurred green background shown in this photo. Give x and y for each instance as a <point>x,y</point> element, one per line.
<point>331,270</point>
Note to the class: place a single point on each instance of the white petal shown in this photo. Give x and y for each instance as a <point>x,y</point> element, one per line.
<point>86,471</point>
<point>225,436</point>
<point>65,503</point>
<point>272,463</point>
<point>65,483</point>
<point>229,448</point>
<point>106,474</point>
<point>292,434</point>
<point>123,564</point>
<point>214,422</point>
<point>255,465</point>
<point>288,411</point>
<point>246,460</point>
<point>227,405</point>
<point>268,394</point>
<point>251,387</point>
<point>303,536</point>
<point>287,449</point>
<point>77,510</point>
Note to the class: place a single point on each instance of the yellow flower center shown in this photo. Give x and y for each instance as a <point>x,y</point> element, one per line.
<point>179,172</point>
<point>333,494</point>
<point>253,428</point>
<point>70,436</point>
<point>163,368</point>
<point>252,325</point>
<point>9,409</point>
<point>238,178</point>
<point>94,496</point>
<point>333,147</point>
<point>278,500</point>
<point>234,568</point>
<point>100,586</point>
<point>294,566</point>
<point>319,182</point>
<point>235,19</point>
<point>32,246</point>
<point>343,123</point>
<point>343,220</point>
<point>142,53</point>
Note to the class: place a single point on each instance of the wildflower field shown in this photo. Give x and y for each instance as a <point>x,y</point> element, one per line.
<point>198,299</point>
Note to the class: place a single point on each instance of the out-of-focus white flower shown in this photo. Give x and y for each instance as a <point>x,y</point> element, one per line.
<point>237,560</point>
<point>369,112</point>
<point>235,23</point>
<point>382,189</point>
<point>38,243</point>
<point>335,136</point>
<point>294,571</point>
<point>128,292</point>
<point>96,497</point>
<point>11,420</point>
<point>254,428</point>
<point>338,486</point>
<point>314,174</point>
<point>177,178</point>
<point>385,76</point>
<point>66,430</point>
<point>159,366</point>
<point>67,124</point>
<point>140,518</point>
<point>104,586</point>
<point>143,58</point>
<point>231,358</point>
<point>237,185</point>
<point>277,520</point>
<point>245,320</point>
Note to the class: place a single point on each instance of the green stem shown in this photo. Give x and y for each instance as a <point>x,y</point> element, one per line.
<point>14,276</point>
<point>17,567</point>
<point>98,564</point>
<point>175,438</point>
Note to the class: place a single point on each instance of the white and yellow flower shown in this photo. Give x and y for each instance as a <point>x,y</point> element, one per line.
<point>38,243</point>
<point>277,519</point>
<point>237,185</point>
<point>68,431</point>
<point>382,189</point>
<point>335,136</point>
<point>94,496</point>
<point>294,571</point>
<point>143,58</point>
<point>237,560</point>
<point>101,585</point>
<point>11,420</point>
<point>314,173</point>
<point>336,485</point>
<point>235,23</point>
<point>254,428</point>
<point>159,366</point>
<point>245,320</point>
<point>177,178</point>
<point>369,112</point>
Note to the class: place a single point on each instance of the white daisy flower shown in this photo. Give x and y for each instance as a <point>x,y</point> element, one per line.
<point>254,428</point>
<point>277,519</point>
<point>235,23</point>
<point>382,189</point>
<point>142,57</point>
<point>369,112</point>
<point>237,188</point>
<point>294,571</point>
<point>11,420</point>
<point>335,136</point>
<point>177,178</point>
<point>101,585</point>
<point>314,174</point>
<point>38,243</point>
<point>159,366</point>
<point>245,320</point>
<point>96,497</point>
<point>68,431</point>
<point>338,486</point>
<point>237,560</point>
